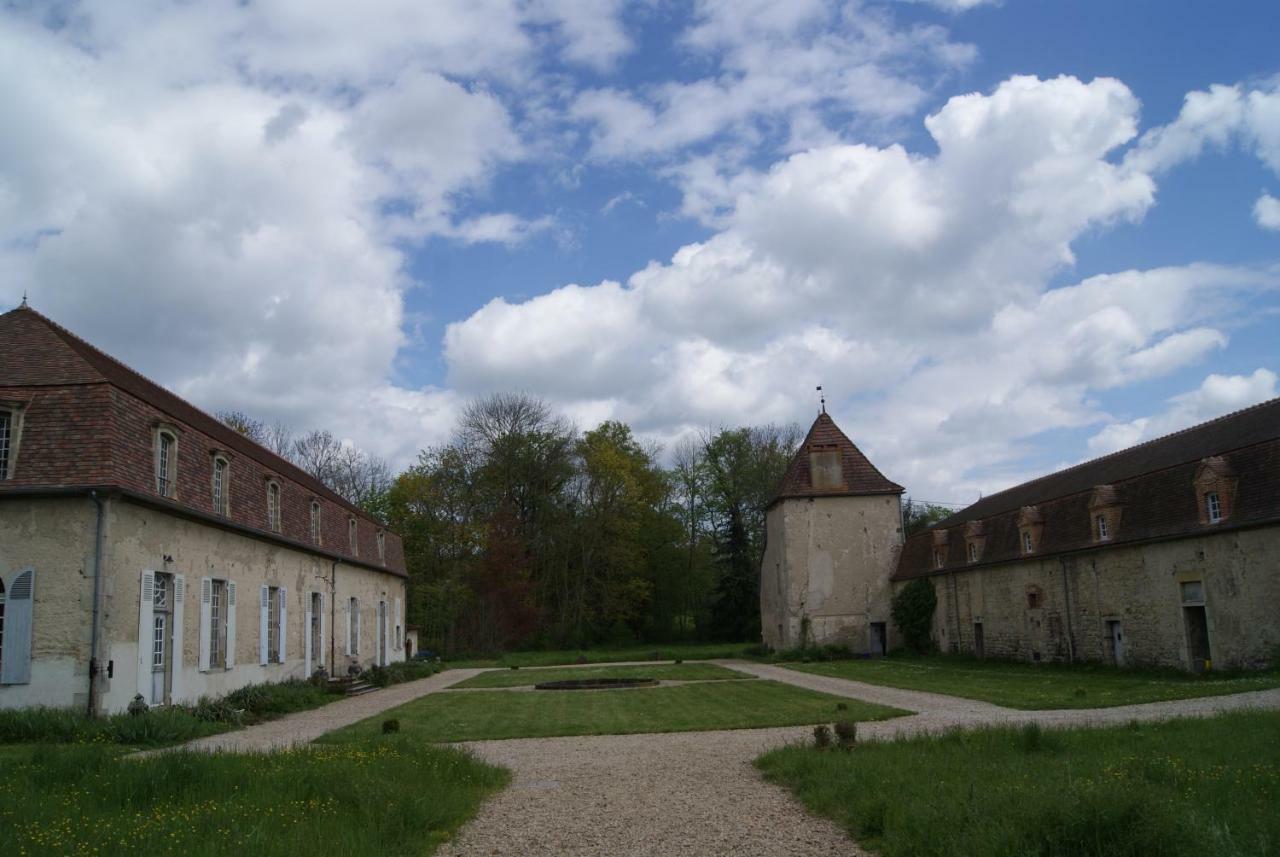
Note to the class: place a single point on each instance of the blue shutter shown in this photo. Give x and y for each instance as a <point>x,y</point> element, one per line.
<point>15,661</point>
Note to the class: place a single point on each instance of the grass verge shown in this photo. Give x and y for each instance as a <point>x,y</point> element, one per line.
<point>387,796</point>
<point>679,651</point>
<point>664,672</point>
<point>1038,686</point>
<point>714,705</point>
<point>1185,787</point>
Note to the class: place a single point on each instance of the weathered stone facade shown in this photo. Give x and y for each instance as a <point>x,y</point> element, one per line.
<point>832,540</point>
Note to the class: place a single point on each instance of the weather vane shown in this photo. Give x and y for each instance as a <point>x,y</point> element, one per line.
<point>822,399</point>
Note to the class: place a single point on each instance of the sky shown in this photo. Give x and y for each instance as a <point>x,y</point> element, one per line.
<point>1005,237</point>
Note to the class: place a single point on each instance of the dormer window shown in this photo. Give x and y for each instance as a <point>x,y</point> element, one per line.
<point>315,521</point>
<point>166,462</point>
<point>1213,507</point>
<point>382,547</point>
<point>273,506</point>
<point>975,539</point>
<point>352,536</point>
<point>939,548</point>
<point>10,424</point>
<point>221,478</point>
<point>939,560</point>
<point>973,552</point>
<point>1030,528</point>
<point>825,470</point>
<point>1215,486</point>
<point>1104,513</point>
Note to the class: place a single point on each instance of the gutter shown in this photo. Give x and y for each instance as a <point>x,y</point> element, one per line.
<point>97,595</point>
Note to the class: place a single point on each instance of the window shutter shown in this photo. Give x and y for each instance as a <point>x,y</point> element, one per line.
<point>15,660</point>
<point>231,624</point>
<point>306,636</point>
<point>359,626</point>
<point>206,601</point>
<point>350,619</point>
<point>146,632</point>
<point>284,624</point>
<point>179,598</point>
<point>324,615</point>
<point>264,609</point>
<point>399,627</point>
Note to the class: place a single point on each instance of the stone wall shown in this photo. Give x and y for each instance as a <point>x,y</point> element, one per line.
<point>1057,608</point>
<point>826,568</point>
<point>55,536</point>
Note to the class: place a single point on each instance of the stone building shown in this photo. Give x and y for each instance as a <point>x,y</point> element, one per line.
<point>147,548</point>
<point>833,534</point>
<point>1164,554</point>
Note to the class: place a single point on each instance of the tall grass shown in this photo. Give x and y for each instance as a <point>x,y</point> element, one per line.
<point>1187,787</point>
<point>387,796</point>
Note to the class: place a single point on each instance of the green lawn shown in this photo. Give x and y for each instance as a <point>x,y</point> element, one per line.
<point>377,797</point>
<point>665,672</point>
<point>678,651</point>
<point>1038,686</point>
<point>1186,787</point>
<point>714,705</point>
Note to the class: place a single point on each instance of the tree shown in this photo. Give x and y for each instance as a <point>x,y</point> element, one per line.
<point>912,611</point>
<point>918,516</point>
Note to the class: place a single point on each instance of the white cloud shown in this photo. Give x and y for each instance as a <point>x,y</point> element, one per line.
<point>1217,395</point>
<point>913,287</point>
<point>1266,211</point>
<point>956,5</point>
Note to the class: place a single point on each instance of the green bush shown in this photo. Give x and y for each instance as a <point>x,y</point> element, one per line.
<point>400,671</point>
<point>912,613</point>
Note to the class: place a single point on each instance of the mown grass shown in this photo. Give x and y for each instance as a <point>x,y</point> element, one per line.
<point>484,715</point>
<point>663,672</point>
<point>1038,686</point>
<point>1186,787</point>
<point>672,652</point>
<point>387,796</point>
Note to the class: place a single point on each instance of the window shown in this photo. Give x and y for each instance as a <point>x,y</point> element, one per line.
<point>1033,599</point>
<point>973,552</point>
<point>1027,545</point>
<point>1103,532</point>
<point>353,536</point>
<point>315,521</point>
<point>273,506</point>
<point>8,440</point>
<point>938,559</point>
<point>166,463</point>
<point>273,620</point>
<point>1213,507</point>
<point>221,473</point>
<point>217,624</point>
<point>1,621</point>
<point>382,546</point>
<point>15,627</point>
<point>1193,592</point>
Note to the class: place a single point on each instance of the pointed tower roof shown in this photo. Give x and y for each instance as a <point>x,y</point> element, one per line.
<point>859,475</point>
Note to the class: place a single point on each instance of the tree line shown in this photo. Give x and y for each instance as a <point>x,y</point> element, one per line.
<point>523,531</point>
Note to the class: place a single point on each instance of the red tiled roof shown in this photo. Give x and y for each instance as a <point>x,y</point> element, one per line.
<point>860,475</point>
<point>1153,483</point>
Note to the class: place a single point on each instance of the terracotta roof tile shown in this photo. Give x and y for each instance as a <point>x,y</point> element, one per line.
<point>860,476</point>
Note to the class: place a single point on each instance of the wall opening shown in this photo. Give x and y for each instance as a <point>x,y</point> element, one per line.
<point>1197,625</point>
<point>1115,638</point>
<point>879,638</point>
<point>979,642</point>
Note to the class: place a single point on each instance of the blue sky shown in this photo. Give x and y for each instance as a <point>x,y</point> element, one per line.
<point>1006,236</point>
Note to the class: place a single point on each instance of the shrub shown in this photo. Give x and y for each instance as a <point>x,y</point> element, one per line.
<point>912,613</point>
<point>842,706</point>
<point>757,650</point>
<point>401,671</point>
<point>846,734</point>
<point>390,726</point>
<point>1032,737</point>
<point>822,736</point>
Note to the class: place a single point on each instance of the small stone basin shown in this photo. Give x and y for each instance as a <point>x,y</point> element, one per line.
<point>596,683</point>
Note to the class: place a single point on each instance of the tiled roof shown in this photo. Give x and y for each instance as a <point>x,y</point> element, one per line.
<point>46,364</point>
<point>1153,484</point>
<point>860,475</point>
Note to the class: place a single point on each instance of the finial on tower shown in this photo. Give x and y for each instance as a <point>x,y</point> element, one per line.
<point>822,399</point>
<point>23,305</point>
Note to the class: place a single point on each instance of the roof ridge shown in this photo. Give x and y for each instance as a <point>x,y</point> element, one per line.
<point>273,460</point>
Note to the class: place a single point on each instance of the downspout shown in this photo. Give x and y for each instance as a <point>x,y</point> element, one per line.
<point>1066,597</point>
<point>97,593</point>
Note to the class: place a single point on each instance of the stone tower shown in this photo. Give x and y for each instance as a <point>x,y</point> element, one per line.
<point>834,531</point>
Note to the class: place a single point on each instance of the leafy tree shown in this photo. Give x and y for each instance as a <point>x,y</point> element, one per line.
<point>912,611</point>
<point>918,516</point>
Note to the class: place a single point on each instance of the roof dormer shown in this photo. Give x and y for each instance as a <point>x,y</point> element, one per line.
<point>1104,513</point>
<point>1215,486</point>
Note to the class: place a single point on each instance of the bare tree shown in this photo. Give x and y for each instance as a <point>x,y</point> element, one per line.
<point>276,436</point>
